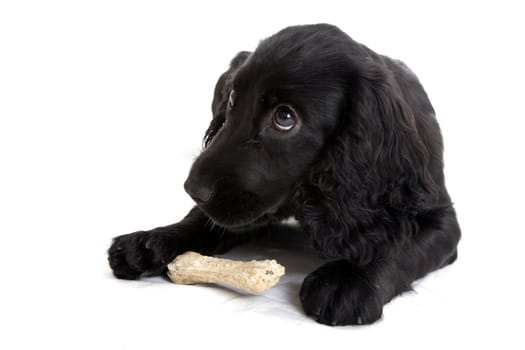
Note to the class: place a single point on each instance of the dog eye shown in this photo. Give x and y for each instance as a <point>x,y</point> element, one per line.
<point>230,99</point>
<point>283,118</point>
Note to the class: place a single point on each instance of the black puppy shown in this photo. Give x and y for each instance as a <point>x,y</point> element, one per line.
<point>316,126</point>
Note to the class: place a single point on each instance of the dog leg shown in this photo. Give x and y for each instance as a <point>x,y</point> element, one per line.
<point>147,253</point>
<point>343,293</point>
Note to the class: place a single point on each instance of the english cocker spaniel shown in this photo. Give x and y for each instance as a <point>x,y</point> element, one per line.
<point>315,126</point>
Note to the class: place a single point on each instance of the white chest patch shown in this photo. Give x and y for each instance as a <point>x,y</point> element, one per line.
<point>291,221</point>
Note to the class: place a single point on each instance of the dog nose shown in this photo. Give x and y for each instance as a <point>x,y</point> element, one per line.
<point>200,193</point>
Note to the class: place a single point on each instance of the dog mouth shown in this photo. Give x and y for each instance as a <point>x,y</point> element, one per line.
<point>235,222</point>
<point>240,226</point>
<point>247,211</point>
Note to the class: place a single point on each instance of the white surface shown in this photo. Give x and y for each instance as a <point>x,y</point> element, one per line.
<point>103,105</point>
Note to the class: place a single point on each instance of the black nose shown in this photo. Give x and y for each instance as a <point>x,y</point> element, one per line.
<point>201,193</point>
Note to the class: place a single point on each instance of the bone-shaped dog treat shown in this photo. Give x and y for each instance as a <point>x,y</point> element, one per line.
<point>250,276</point>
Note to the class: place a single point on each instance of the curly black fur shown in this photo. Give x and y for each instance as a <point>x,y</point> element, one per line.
<point>361,170</point>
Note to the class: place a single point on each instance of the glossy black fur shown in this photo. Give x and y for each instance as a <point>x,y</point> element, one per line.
<point>362,172</point>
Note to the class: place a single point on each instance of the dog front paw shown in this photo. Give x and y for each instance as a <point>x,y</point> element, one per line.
<point>339,293</point>
<point>141,253</point>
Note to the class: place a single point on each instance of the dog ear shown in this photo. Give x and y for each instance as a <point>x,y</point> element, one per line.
<point>221,95</point>
<point>389,143</point>
<point>374,165</point>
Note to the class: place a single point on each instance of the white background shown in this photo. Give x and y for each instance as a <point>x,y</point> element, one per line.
<point>103,105</point>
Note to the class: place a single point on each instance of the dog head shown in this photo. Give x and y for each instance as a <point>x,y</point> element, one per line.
<point>275,111</point>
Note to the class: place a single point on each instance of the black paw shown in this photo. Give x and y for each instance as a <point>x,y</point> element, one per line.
<point>339,293</point>
<point>141,253</point>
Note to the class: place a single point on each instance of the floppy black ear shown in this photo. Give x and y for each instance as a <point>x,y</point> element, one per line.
<point>387,141</point>
<point>221,94</point>
<point>371,177</point>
